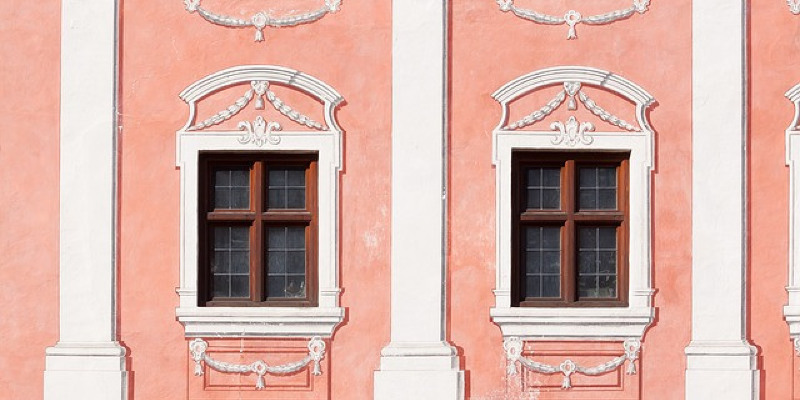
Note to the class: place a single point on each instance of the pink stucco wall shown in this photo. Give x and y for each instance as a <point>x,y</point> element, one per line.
<point>163,49</point>
<point>29,83</point>
<point>773,50</point>
<point>491,48</point>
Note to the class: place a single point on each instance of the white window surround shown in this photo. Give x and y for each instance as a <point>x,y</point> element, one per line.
<point>791,311</point>
<point>325,140</point>
<point>562,323</point>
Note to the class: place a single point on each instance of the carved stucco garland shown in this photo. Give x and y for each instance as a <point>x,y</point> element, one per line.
<point>263,19</point>
<point>316,351</point>
<point>259,131</point>
<point>572,18</point>
<point>571,132</point>
<point>513,350</point>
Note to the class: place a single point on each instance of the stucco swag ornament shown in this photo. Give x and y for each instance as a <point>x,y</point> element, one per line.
<point>513,349</point>
<point>572,132</point>
<point>263,19</point>
<point>260,131</point>
<point>316,351</point>
<point>572,17</point>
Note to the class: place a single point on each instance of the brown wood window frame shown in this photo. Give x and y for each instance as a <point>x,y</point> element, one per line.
<point>259,217</point>
<point>569,218</point>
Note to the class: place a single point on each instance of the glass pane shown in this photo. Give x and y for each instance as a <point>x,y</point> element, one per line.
<point>533,263</point>
<point>296,198</point>
<point>230,262</point>
<point>296,177</point>
<point>597,188</point>
<point>597,262</point>
<point>543,188</point>
<point>551,262</point>
<point>276,286</point>
<point>286,187</point>
<point>587,286</point>
<point>276,262</point>
<point>231,189</point>
<point>296,286</point>
<point>607,286</point>
<point>551,286</point>
<point>286,266</point>
<point>277,177</point>
<point>551,199</point>
<point>240,286</point>
<point>276,198</point>
<point>535,199</point>
<point>542,260</point>
<point>240,262</point>
<point>533,287</point>
<point>296,262</point>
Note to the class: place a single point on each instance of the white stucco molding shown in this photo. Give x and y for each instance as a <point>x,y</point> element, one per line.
<point>606,323</point>
<point>262,135</point>
<point>720,361</point>
<point>87,362</point>
<point>791,311</point>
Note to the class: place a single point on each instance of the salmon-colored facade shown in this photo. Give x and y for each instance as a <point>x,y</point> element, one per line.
<point>365,70</point>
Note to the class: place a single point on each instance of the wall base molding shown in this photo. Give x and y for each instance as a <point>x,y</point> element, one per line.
<point>85,371</point>
<point>721,370</point>
<point>419,370</point>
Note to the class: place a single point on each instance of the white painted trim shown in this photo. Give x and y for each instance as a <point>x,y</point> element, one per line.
<point>87,362</point>
<point>418,363</point>
<point>791,311</point>
<point>720,363</point>
<point>569,323</point>
<point>266,321</point>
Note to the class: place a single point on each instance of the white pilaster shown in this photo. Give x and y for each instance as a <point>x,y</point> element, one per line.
<point>87,363</point>
<point>418,363</point>
<point>721,364</point>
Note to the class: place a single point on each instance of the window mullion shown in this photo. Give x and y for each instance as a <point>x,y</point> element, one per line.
<point>569,273</point>
<point>257,247</point>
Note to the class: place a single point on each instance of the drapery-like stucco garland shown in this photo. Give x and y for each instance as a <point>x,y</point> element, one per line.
<point>572,18</point>
<point>316,351</point>
<point>263,19</point>
<point>513,349</point>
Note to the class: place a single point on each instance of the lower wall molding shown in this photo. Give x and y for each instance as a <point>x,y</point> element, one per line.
<point>316,351</point>
<point>513,350</point>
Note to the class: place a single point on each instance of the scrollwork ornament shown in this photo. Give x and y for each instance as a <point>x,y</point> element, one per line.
<point>794,6</point>
<point>572,17</point>
<point>571,133</point>
<point>261,20</point>
<point>259,132</point>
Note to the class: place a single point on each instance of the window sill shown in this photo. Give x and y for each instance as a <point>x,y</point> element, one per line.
<point>259,321</point>
<point>560,323</point>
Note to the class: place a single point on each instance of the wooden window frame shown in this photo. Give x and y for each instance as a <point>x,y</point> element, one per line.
<point>569,218</point>
<point>259,217</point>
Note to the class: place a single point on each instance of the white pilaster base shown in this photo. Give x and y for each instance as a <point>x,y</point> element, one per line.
<point>419,371</point>
<point>85,371</point>
<point>721,370</point>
